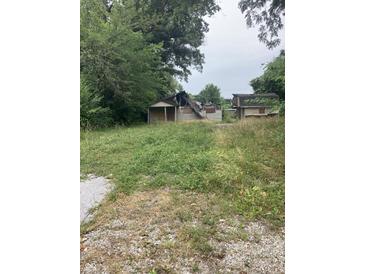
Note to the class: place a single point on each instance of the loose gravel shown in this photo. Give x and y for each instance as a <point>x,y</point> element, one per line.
<point>141,233</point>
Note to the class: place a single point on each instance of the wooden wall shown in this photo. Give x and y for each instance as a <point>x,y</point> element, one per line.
<point>157,114</point>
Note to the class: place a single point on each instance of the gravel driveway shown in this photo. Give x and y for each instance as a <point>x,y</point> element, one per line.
<point>146,232</point>
<point>92,192</point>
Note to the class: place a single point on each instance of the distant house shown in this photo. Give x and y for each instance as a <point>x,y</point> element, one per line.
<point>179,107</point>
<point>247,105</point>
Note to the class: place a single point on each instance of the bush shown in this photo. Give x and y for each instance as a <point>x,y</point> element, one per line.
<point>228,117</point>
<point>282,108</point>
<point>92,114</point>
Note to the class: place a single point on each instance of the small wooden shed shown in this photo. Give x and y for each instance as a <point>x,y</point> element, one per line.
<point>162,111</point>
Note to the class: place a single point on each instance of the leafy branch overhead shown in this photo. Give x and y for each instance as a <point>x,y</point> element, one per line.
<point>268,16</point>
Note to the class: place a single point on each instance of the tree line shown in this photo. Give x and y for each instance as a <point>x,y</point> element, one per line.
<point>273,78</point>
<point>132,51</point>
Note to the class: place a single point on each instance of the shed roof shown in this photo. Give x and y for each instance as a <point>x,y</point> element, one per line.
<point>162,104</point>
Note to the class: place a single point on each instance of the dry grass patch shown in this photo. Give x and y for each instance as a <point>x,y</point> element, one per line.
<point>173,231</point>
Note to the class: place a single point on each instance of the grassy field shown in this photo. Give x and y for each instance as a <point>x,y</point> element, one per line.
<point>242,164</point>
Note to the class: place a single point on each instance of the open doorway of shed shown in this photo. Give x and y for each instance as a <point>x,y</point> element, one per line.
<point>162,114</point>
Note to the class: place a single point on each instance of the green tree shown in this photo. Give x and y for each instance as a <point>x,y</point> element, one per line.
<point>267,14</point>
<point>92,114</point>
<point>178,25</point>
<point>119,63</point>
<point>131,51</point>
<point>273,79</point>
<point>210,94</point>
<point>176,86</point>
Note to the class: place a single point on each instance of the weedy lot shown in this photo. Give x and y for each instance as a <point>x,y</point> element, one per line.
<point>188,197</point>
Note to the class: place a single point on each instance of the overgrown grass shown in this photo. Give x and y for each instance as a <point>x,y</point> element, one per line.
<point>243,163</point>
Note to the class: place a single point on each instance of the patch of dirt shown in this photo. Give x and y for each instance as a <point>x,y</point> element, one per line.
<point>169,231</point>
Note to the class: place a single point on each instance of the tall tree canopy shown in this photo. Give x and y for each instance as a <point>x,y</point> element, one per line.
<point>267,14</point>
<point>119,63</point>
<point>273,79</point>
<point>131,50</point>
<point>210,94</point>
<point>178,25</point>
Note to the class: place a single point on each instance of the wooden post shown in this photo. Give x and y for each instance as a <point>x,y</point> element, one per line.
<point>148,116</point>
<point>165,114</point>
<point>175,113</point>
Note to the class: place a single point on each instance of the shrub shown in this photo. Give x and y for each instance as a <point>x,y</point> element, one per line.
<point>282,108</point>
<point>228,117</point>
<point>92,114</point>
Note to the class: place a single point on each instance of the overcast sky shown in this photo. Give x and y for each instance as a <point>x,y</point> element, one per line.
<point>233,54</point>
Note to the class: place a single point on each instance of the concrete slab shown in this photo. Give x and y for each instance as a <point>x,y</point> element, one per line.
<point>92,192</point>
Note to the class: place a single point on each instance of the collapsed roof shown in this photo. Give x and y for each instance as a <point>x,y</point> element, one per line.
<point>183,99</point>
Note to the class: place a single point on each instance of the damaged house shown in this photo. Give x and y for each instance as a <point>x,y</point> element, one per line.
<point>248,105</point>
<point>179,107</point>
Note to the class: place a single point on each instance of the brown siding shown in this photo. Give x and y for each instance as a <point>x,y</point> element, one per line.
<point>170,111</point>
<point>209,109</point>
<point>157,114</point>
<point>186,110</point>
